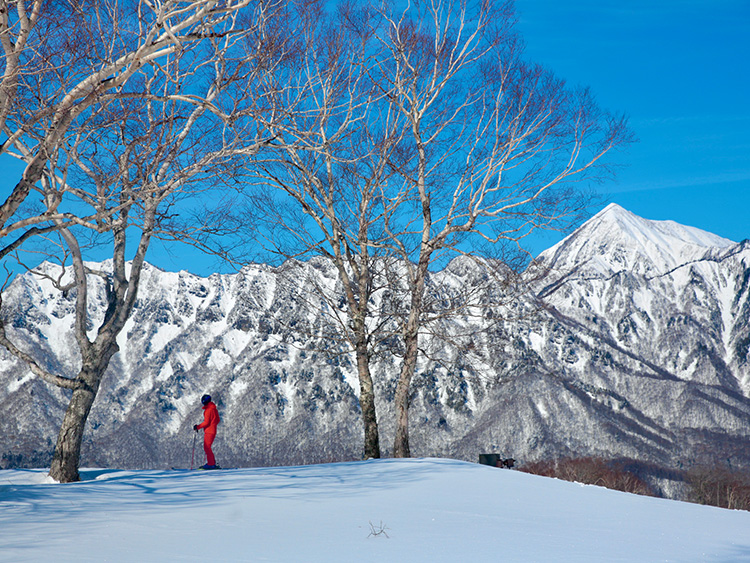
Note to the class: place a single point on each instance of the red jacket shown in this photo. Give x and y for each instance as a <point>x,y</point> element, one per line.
<point>210,418</point>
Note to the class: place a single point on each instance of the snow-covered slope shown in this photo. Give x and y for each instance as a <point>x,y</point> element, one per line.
<point>635,343</point>
<point>674,296</point>
<point>427,510</point>
<point>616,240</point>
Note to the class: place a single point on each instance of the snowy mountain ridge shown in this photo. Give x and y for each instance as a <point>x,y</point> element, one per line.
<point>636,344</point>
<point>617,240</point>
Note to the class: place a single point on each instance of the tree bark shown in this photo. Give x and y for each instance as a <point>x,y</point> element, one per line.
<point>401,441</point>
<point>367,403</point>
<point>401,446</point>
<point>67,456</point>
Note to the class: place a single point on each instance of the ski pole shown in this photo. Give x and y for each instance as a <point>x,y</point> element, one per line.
<point>192,457</point>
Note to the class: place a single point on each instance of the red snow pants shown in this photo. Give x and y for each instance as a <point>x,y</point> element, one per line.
<point>208,439</point>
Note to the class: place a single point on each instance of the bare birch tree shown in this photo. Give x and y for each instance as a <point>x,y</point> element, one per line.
<point>497,148</point>
<point>412,135</point>
<point>120,170</point>
<point>330,155</point>
<point>63,61</point>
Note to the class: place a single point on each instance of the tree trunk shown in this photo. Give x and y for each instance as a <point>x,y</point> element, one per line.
<point>67,454</point>
<point>411,353</point>
<point>66,459</point>
<point>401,441</point>
<point>367,403</point>
<point>411,339</point>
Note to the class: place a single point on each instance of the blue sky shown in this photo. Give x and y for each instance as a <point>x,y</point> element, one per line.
<point>680,70</point>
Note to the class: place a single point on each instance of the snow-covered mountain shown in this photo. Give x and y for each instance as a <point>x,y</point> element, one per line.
<point>616,240</point>
<point>636,343</point>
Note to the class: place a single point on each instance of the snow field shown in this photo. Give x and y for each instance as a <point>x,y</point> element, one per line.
<point>378,510</point>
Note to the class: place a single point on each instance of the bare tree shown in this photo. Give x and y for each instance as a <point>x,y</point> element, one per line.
<point>330,155</point>
<point>497,146</point>
<point>413,136</point>
<point>121,172</point>
<point>64,61</point>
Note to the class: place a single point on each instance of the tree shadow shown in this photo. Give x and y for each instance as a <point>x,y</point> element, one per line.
<point>112,491</point>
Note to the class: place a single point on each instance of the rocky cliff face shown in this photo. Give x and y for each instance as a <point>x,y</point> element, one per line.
<point>636,344</point>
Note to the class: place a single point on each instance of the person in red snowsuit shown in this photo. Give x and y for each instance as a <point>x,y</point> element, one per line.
<point>210,422</point>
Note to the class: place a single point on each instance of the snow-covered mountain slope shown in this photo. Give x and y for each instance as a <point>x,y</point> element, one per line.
<point>419,510</point>
<point>635,343</point>
<point>674,296</point>
<point>616,240</point>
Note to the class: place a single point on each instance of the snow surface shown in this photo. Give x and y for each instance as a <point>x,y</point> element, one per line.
<point>383,510</point>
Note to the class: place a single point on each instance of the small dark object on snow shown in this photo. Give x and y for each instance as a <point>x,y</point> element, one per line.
<point>495,460</point>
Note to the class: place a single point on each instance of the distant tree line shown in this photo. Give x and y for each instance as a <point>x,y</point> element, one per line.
<point>710,485</point>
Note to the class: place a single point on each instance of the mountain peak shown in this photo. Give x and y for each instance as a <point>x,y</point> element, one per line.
<point>616,239</point>
<point>669,230</point>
